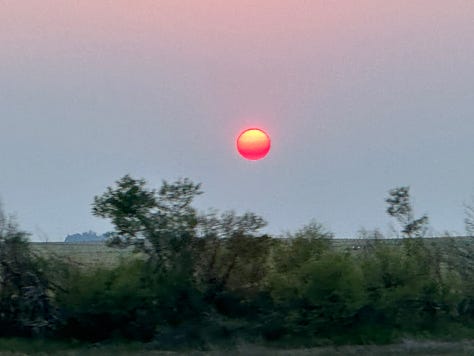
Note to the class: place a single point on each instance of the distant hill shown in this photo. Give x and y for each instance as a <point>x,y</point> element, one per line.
<point>85,237</point>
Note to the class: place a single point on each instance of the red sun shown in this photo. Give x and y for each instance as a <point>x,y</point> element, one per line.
<point>253,144</point>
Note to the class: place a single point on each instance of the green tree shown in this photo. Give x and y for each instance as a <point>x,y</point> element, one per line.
<point>469,217</point>
<point>129,206</point>
<point>232,253</point>
<point>400,208</point>
<point>162,223</point>
<point>308,242</point>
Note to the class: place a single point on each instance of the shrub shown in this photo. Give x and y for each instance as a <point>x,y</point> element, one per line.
<point>26,306</point>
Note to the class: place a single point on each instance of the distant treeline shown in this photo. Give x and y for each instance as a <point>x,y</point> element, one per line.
<point>215,279</point>
<point>85,237</point>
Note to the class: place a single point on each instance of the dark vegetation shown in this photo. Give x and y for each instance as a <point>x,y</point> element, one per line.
<point>210,279</point>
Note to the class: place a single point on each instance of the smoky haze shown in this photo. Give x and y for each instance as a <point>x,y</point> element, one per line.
<point>357,98</point>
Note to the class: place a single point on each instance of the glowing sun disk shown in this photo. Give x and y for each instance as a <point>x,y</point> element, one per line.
<point>253,144</point>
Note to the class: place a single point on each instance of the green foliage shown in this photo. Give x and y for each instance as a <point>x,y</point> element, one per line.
<point>326,295</point>
<point>164,220</point>
<point>229,224</point>
<point>129,206</point>
<point>400,207</point>
<point>469,217</point>
<point>211,278</point>
<point>25,303</point>
<point>133,300</point>
<point>229,254</point>
<point>407,288</point>
<point>374,295</point>
<point>297,248</point>
<point>230,265</point>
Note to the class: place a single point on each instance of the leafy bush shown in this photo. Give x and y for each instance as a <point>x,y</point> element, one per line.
<point>131,301</point>
<point>26,306</point>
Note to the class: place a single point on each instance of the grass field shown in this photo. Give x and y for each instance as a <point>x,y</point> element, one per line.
<point>83,254</point>
<point>95,254</point>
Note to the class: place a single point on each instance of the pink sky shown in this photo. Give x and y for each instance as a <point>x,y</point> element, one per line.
<point>370,85</point>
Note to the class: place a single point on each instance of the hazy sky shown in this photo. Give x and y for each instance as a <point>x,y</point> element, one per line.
<point>357,96</point>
